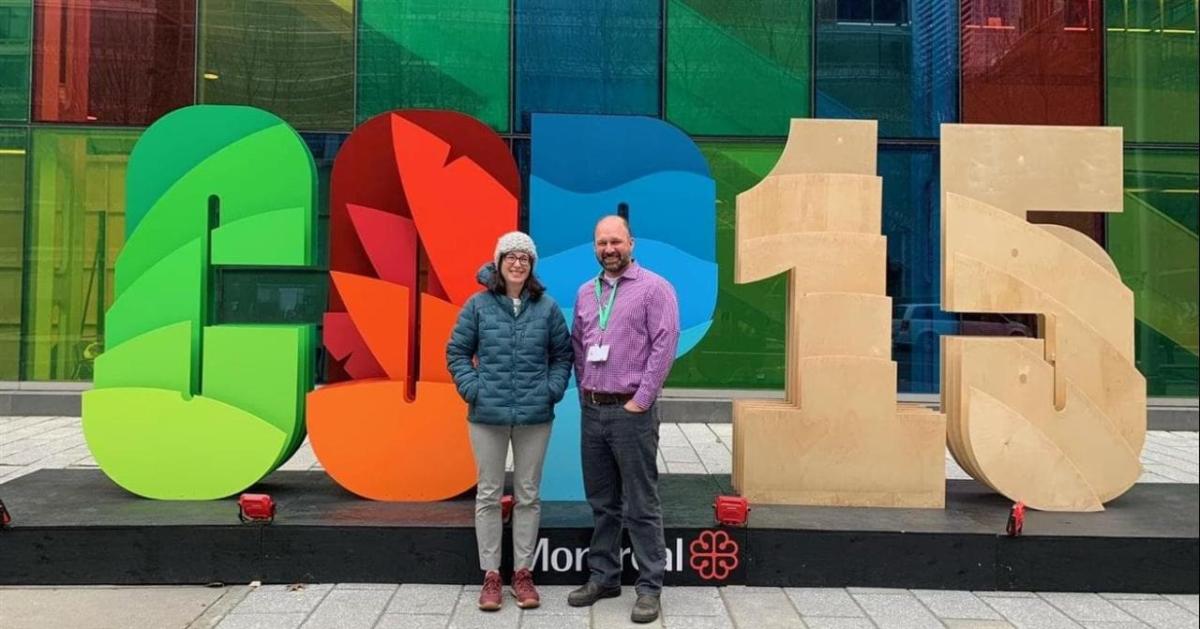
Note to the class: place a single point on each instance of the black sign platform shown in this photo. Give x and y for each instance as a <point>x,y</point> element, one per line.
<point>76,527</point>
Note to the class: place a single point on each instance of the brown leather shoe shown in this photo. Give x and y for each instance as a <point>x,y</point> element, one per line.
<point>645,609</point>
<point>591,592</point>
<point>492,593</point>
<point>524,591</point>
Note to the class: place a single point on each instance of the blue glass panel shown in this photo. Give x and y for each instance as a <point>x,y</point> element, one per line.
<point>912,226</point>
<point>588,57</point>
<point>896,62</point>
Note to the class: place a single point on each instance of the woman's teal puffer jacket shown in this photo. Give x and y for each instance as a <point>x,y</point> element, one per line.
<point>524,360</point>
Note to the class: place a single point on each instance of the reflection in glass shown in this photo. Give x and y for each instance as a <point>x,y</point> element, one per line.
<point>890,61</point>
<point>294,58</point>
<point>1153,50</point>
<point>1154,244</point>
<point>16,17</point>
<point>124,62</point>
<point>12,231</point>
<point>76,230</point>
<point>1031,62</point>
<point>587,58</point>
<point>738,68</point>
<point>434,54</point>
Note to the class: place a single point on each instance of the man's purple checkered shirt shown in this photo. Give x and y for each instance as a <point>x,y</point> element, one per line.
<point>642,334</point>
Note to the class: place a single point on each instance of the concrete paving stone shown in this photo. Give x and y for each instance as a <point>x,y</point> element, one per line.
<point>349,609</point>
<point>420,598</point>
<point>853,590</point>
<point>1004,594</point>
<point>692,601</point>
<point>1133,624</point>
<point>613,613</point>
<point>970,623</point>
<point>412,621</point>
<point>1133,596</point>
<point>686,468</point>
<point>680,454</point>
<point>830,622</point>
<point>555,622</point>
<point>698,433</point>
<point>824,602</point>
<point>262,621</point>
<point>899,611</point>
<point>554,602</point>
<point>467,614</point>
<point>1159,613</point>
<point>1190,602</point>
<point>1086,607</point>
<point>763,608</point>
<point>103,608</point>
<point>1167,471</point>
<point>957,605</point>
<point>277,599</point>
<point>1032,612</point>
<point>696,622</point>
<point>386,587</point>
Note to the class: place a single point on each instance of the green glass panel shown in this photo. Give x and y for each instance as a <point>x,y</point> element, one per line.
<point>435,55</point>
<point>738,68</point>
<point>294,58</point>
<point>745,346</point>
<point>1154,244</point>
<point>76,227</point>
<point>1153,69</point>
<point>15,22</point>
<point>12,232</point>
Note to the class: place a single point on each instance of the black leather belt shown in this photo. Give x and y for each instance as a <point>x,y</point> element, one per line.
<point>598,398</point>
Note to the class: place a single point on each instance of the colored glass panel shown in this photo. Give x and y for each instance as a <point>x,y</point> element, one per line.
<point>76,227</point>
<point>1153,69</point>
<point>744,347</point>
<point>892,62</point>
<point>587,57</point>
<point>12,232</point>
<point>124,62</point>
<point>294,58</point>
<point>436,55</point>
<point>15,23</point>
<point>738,68</point>
<point>1154,244</point>
<point>1031,62</point>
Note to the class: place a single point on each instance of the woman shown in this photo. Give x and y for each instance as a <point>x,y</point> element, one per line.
<point>510,355</point>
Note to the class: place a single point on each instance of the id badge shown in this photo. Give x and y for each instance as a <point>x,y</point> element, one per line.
<point>597,353</point>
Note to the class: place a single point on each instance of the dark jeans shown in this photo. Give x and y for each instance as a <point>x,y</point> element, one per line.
<point>620,475</point>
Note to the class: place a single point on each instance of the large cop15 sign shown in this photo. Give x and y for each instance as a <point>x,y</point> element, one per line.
<point>185,409</point>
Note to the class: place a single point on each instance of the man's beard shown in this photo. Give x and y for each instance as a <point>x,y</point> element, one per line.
<point>615,264</point>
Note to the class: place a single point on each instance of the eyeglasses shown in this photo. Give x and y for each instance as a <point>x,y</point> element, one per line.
<point>516,258</point>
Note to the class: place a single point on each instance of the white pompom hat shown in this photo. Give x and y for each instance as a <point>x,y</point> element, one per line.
<point>514,241</point>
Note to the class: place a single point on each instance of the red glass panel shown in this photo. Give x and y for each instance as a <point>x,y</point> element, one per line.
<point>1031,61</point>
<point>124,62</point>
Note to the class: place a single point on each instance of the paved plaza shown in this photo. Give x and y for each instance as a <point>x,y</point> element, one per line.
<point>28,444</point>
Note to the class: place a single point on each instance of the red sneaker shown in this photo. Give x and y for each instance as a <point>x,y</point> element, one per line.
<point>492,592</point>
<point>522,586</point>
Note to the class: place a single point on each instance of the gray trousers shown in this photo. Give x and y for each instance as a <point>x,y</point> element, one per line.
<point>490,444</point>
<point>620,475</point>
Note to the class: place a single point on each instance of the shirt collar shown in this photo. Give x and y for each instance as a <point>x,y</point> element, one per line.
<point>631,272</point>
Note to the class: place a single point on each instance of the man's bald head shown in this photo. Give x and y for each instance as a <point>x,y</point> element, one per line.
<point>613,221</point>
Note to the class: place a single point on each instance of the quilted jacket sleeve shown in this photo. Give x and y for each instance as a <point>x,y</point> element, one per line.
<point>460,350</point>
<point>562,357</point>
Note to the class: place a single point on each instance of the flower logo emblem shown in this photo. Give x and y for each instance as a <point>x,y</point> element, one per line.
<point>714,555</point>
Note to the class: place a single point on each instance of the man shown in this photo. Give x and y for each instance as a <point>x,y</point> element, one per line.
<point>625,333</point>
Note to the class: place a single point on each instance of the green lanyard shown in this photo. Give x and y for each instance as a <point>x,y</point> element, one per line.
<point>605,310</point>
